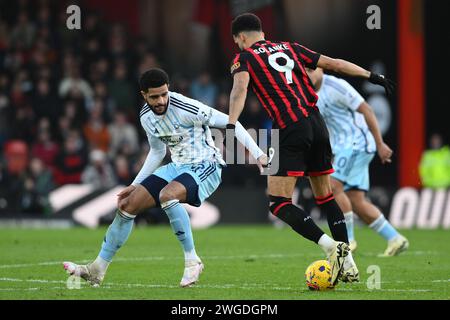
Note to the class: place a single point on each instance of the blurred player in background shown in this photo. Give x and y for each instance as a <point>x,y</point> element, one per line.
<point>355,138</point>
<point>183,124</point>
<point>276,71</point>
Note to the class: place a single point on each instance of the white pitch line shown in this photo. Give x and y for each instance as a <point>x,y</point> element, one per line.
<point>160,258</point>
<point>221,286</point>
<point>407,253</point>
<point>31,280</point>
<point>246,286</point>
<point>387,290</point>
<point>20,289</point>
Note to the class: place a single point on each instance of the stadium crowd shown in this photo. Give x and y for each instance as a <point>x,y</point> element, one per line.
<point>69,104</point>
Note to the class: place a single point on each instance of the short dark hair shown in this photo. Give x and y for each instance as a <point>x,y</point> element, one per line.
<point>245,22</point>
<point>153,78</point>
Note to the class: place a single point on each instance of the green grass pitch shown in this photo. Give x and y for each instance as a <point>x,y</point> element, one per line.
<point>241,262</point>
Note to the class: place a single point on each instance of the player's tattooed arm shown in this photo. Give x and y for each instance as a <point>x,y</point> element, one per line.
<point>342,67</point>
<point>238,95</point>
<point>350,69</point>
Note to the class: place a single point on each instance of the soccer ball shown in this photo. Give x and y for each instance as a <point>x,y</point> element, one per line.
<point>318,276</point>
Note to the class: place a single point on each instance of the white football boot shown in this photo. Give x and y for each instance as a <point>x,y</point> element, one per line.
<point>192,270</point>
<point>353,245</point>
<point>350,272</point>
<point>396,246</point>
<point>336,259</point>
<point>85,272</point>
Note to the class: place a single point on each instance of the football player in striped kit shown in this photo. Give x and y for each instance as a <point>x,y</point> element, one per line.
<point>276,72</point>
<point>355,138</point>
<point>183,125</point>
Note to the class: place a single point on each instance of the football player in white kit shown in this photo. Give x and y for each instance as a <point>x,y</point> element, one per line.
<point>355,138</point>
<point>183,125</point>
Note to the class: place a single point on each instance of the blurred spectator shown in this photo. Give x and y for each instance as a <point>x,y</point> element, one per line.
<point>21,87</point>
<point>16,155</point>
<point>74,84</point>
<point>56,83</point>
<point>46,73</point>
<point>120,88</point>
<point>23,33</point>
<point>204,90</point>
<point>75,113</point>
<point>37,185</point>
<point>223,102</point>
<point>10,189</point>
<point>4,36</point>
<point>180,84</point>
<point>44,17</point>
<point>253,115</point>
<point>118,48</point>
<point>122,133</point>
<point>95,130</point>
<point>101,92</point>
<point>93,26</point>
<point>434,165</point>
<point>5,109</point>
<point>4,187</point>
<point>141,47</point>
<point>123,170</point>
<point>99,71</point>
<point>45,102</point>
<point>45,149</point>
<point>43,124</point>
<point>42,54</point>
<point>71,160</point>
<point>148,61</point>
<point>91,53</point>
<point>99,172</point>
<point>24,124</point>
<point>64,127</point>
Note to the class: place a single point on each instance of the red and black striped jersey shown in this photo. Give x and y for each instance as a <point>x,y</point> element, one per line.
<point>278,78</point>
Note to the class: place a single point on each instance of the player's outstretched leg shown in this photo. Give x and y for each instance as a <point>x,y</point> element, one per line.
<point>346,207</point>
<point>323,194</point>
<point>282,207</point>
<point>337,224</point>
<point>371,215</point>
<point>179,220</point>
<point>131,201</point>
<point>117,234</point>
<point>397,243</point>
<point>303,224</point>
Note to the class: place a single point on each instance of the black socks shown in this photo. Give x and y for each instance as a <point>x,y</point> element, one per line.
<point>295,217</point>
<point>335,217</point>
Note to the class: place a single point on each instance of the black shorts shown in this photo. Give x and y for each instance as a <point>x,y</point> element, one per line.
<point>304,148</point>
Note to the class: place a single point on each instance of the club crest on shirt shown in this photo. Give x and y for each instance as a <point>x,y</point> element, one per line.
<point>235,66</point>
<point>171,141</point>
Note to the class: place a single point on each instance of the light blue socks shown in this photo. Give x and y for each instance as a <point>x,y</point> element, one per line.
<point>384,228</point>
<point>117,235</point>
<point>181,226</point>
<point>349,224</point>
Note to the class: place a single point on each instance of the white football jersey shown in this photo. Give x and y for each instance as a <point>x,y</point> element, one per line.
<point>338,102</point>
<point>184,128</point>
